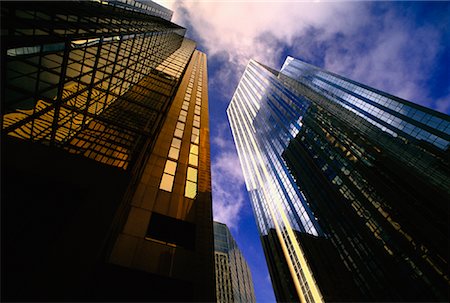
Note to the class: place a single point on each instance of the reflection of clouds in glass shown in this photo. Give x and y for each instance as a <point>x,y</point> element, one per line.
<point>384,108</point>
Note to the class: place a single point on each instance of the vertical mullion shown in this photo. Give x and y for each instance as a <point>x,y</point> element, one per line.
<point>62,79</point>
<point>91,85</point>
<point>112,72</point>
<point>36,89</point>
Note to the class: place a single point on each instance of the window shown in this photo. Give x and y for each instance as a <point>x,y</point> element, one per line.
<point>195,139</point>
<point>192,174</point>
<point>178,133</point>
<point>190,190</point>
<point>194,149</point>
<point>193,160</point>
<point>193,155</point>
<point>170,230</point>
<point>180,125</point>
<point>191,183</point>
<point>174,150</point>
<point>174,153</point>
<point>166,182</point>
<point>168,176</point>
<point>176,143</point>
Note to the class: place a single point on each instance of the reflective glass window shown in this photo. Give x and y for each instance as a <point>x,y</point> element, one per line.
<point>180,125</point>
<point>190,190</point>
<point>176,143</point>
<point>170,167</point>
<point>194,149</point>
<point>193,160</point>
<point>178,133</point>
<point>174,153</point>
<point>167,182</point>
<point>192,174</point>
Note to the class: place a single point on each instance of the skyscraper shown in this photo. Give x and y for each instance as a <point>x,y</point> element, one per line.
<point>106,188</point>
<point>349,185</point>
<point>233,277</point>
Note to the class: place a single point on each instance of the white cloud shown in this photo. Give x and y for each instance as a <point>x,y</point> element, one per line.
<point>383,50</point>
<point>228,194</point>
<point>237,31</point>
<point>227,179</point>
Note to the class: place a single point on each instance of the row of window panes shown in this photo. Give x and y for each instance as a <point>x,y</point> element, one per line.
<point>192,172</point>
<point>174,151</point>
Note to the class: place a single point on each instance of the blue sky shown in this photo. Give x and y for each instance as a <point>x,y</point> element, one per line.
<point>402,48</point>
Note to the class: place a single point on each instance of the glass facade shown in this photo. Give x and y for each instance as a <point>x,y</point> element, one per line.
<point>233,277</point>
<point>339,171</point>
<point>105,131</point>
<point>92,81</point>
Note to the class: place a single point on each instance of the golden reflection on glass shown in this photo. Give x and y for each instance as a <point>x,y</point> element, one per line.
<point>192,174</point>
<point>174,153</point>
<point>167,182</point>
<point>178,133</point>
<point>176,143</point>
<point>193,160</point>
<point>190,190</point>
<point>180,125</point>
<point>195,139</point>
<point>170,167</point>
<point>194,149</point>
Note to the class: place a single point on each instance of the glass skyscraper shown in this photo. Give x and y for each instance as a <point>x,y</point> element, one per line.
<point>106,183</point>
<point>349,185</point>
<point>233,277</point>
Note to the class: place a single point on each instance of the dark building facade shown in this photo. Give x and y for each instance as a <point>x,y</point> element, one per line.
<point>106,189</point>
<point>350,186</point>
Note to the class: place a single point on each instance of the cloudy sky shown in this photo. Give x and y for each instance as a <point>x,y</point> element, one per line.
<point>402,48</point>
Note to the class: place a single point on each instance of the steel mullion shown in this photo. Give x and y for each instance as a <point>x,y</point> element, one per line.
<point>111,75</point>
<point>36,88</point>
<point>59,100</point>
<point>91,85</point>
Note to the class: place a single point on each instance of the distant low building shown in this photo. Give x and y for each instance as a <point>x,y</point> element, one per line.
<point>233,278</point>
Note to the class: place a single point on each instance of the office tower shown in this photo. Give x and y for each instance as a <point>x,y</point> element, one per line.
<point>233,277</point>
<point>106,189</point>
<point>349,186</point>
